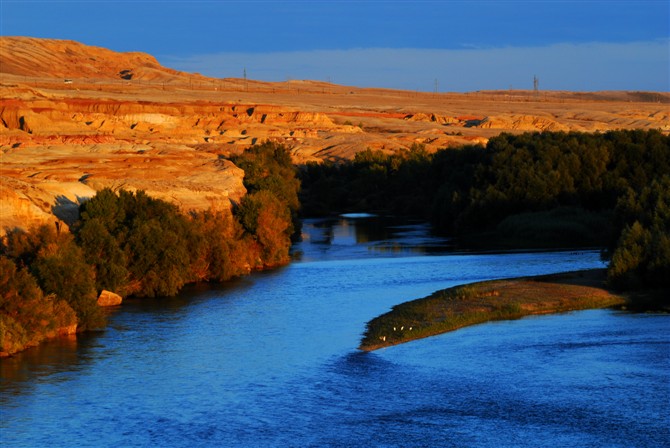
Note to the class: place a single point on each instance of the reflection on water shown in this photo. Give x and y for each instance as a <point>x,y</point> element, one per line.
<point>49,360</point>
<point>366,236</point>
<point>270,360</point>
<point>56,353</point>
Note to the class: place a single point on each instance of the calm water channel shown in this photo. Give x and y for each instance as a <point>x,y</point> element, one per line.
<point>271,360</point>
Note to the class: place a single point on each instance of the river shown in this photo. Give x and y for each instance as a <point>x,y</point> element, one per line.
<point>270,360</point>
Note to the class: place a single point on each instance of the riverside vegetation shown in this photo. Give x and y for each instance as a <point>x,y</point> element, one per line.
<point>534,190</point>
<point>551,189</point>
<point>136,245</point>
<point>609,190</point>
<point>475,303</point>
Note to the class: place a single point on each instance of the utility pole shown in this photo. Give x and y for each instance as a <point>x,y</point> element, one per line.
<point>536,86</point>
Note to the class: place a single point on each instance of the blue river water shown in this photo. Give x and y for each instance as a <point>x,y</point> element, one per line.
<point>271,360</point>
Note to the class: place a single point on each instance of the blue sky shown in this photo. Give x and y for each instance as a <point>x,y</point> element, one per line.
<point>465,45</point>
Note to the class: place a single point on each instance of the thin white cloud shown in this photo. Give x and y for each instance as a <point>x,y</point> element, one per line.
<point>581,67</point>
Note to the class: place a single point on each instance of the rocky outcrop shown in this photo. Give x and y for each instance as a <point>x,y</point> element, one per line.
<point>433,118</point>
<point>75,119</point>
<point>44,184</point>
<point>66,120</point>
<point>522,123</point>
<point>507,122</point>
<point>23,203</point>
<point>108,298</point>
<point>57,152</point>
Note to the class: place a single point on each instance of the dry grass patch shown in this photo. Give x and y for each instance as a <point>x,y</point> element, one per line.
<point>461,306</point>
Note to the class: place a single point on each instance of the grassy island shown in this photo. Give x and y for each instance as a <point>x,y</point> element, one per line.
<point>461,306</point>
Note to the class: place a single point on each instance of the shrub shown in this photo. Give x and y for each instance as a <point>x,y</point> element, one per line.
<point>263,215</point>
<point>159,258</point>
<point>641,256</point>
<point>60,269</point>
<point>27,316</point>
<point>103,252</point>
<point>138,245</point>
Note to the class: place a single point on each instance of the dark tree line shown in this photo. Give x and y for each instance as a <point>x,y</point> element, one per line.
<point>541,189</point>
<point>373,182</point>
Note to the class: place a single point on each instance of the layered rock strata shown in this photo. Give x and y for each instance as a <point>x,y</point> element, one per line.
<point>76,118</point>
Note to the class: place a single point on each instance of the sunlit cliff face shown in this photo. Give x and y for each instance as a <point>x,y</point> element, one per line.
<point>76,119</point>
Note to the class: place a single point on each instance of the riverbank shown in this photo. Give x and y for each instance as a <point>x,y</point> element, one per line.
<point>462,306</point>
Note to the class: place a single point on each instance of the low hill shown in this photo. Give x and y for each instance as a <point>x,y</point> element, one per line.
<point>32,57</point>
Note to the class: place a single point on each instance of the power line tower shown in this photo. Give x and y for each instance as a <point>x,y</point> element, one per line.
<point>536,85</point>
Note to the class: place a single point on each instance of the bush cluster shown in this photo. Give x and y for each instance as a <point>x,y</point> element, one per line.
<point>143,246</point>
<point>146,247</point>
<point>133,244</point>
<point>45,286</point>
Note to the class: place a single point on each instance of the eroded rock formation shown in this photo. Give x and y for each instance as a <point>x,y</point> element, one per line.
<point>75,119</point>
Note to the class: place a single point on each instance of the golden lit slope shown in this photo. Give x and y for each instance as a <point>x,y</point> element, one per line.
<point>34,57</point>
<point>169,132</point>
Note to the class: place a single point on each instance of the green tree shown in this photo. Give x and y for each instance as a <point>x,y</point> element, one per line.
<point>629,257</point>
<point>220,247</point>
<point>59,267</point>
<point>159,258</point>
<point>263,215</point>
<point>268,166</point>
<point>138,244</point>
<point>641,256</point>
<point>103,252</point>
